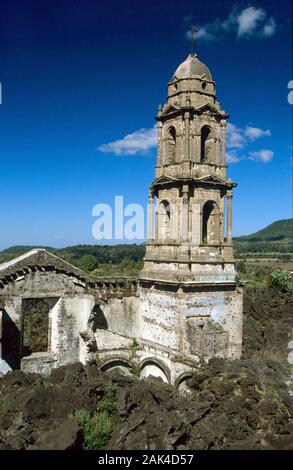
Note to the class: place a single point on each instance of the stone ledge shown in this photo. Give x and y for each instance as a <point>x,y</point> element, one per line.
<point>41,362</point>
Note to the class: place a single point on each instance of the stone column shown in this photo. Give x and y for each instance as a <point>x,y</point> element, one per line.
<point>197,148</point>
<point>229,216</point>
<point>187,136</point>
<point>197,142</point>
<point>185,213</point>
<point>196,231</point>
<point>151,216</point>
<point>157,219</point>
<point>218,145</point>
<point>224,126</point>
<point>160,144</point>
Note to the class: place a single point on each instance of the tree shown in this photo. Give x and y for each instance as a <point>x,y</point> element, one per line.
<point>281,279</point>
<point>241,266</point>
<point>88,263</point>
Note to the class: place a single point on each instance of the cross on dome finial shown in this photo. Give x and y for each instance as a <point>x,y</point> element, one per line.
<point>192,33</point>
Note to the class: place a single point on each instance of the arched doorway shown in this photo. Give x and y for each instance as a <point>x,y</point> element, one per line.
<point>181,384</point>
<point>205,144</point>
<point>119,364</point>
<point>164,220</point>
<point>152,368</point>
<point>211,223</point>
<point>171,146</point>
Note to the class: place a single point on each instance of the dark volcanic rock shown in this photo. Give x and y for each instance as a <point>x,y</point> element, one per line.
<point>67,436</point>
<point>242,404</point>
<point>267,323</point>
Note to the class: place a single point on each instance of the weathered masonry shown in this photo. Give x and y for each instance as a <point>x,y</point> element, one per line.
<point>50,312</point>
<point>188,293</point>
<point>185,307</point>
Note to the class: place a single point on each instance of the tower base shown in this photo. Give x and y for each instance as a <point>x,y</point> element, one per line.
<point>193,322</point>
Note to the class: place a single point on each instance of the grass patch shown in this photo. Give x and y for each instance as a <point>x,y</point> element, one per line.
<point>97,429</point>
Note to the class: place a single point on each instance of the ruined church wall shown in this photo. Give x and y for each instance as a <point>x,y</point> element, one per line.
<point>198,325</point>
<point>117,323</point>
<point>42,284</point>
<point>158,318</point>
<point>213,324</point>
<point>70,318</point>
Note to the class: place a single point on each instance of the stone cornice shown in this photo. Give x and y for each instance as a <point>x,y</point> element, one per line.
<point>172,111</point>
<point>209,180</point>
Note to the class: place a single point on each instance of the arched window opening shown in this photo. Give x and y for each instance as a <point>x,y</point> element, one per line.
<point>211,223</point>
<point>152,368</point>
<point>206,144</point>
<point>182,385</point>
<point>164,220</point>
<point>171,146</point>
<point>119,364</point>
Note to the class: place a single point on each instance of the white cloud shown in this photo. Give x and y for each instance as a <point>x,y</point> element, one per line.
<point>235,137</point>
<point>254,133</point>
<point>249,20</point>
<point>139,142</point>
<point>143,140</point>
<point>269,28</point>
<point>263,155</point>
<point>204,34</point>
<point>240,138</point>
<point>243,23</point>
<point>231,157</point>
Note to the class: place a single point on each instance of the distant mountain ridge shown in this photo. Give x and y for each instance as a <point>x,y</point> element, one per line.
<point>276,237</point>
<point>277,231</point>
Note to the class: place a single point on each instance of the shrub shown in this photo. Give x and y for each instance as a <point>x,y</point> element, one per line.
<point>97,429</point>
<point>88,263</point>
<point>108,403</point>
<point>281,279</point>
<point>241,266</point>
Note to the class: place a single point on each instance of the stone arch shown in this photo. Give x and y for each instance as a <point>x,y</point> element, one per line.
<point>164,222</point>
<point>180,382</point>
<point>156,368</point>
<point>211,223</point>
<point>118,362</point>
<point>206,139</point>
<point>170,145</point>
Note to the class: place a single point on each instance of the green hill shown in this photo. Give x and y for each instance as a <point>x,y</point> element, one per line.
<point>273,240</point>
<point>277,238</point>
<point>277,231</point>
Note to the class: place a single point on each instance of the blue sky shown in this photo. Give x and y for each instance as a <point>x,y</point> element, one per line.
<point>77,75</point>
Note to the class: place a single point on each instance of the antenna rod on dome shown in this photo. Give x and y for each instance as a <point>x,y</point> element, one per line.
<point>192,33</point>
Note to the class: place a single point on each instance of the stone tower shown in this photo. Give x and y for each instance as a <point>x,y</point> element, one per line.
<point>189,302</point>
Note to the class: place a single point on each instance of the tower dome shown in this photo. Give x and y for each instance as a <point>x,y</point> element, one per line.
<point>192,67</point>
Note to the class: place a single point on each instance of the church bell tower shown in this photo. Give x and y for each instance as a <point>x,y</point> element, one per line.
<point>189,299</point>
